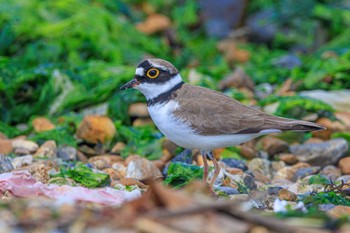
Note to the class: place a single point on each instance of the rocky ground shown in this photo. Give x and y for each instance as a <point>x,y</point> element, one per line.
<point>89,188</point>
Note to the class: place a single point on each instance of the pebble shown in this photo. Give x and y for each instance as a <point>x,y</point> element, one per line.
<point>21,145</point>
<point>303,172</point>
<point>129,182</point>
<point>5,146</point>
<point>41,171</point>
<point>154,23</point>
<point>237,79</point>
<point>67,153</point>
<point>5,164</point>
<point>261,168</point>
<point>345,179</point>
<point>138,110</point>
<point>344,165</point>
<point>321,154</point>
<point>331,172</point>
<point>120,168</point>
<point>274,145</point>
<point>273,190</point>
<point>142,169</point>
<point>99,164</point>
<point>22,161</point>
<point>184,157</point>
<point>118,147</point>
<point>239,197</point>
<point>276,165</point>
<point>247,151</point>
<point>285,194</point>
<point>289,159</point>
<point>235,163</point>
<point>96,129</point>
<point>249,182</point>
<point>339,211</point>
<point>108,160</point>
<point>113,174</point>
<point>41,124</point>
<point>48,150</point>
<point>227,190</point>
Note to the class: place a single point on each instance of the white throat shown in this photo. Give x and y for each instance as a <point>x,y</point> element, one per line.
<point>152,90</point>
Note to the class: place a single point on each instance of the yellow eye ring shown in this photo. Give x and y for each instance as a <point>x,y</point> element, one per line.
<point>153,73</point>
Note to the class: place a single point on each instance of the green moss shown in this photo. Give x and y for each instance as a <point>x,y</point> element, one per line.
<point>327,198</point>
<point>318,179</point>
<point>87,177</point>
<point>180,174</point>
<point>298,106</point>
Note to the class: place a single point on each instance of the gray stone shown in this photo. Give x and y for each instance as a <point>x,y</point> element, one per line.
<point>321,154</point>
<point>250,182</point>
<point>260,167</point>
<point>306,171</point>
<point>5,164</point>
<point>273,190</point>
<point>235,163</point>
<point>331,172</point>
<point>67,153</point>
<point>345,179</point>
<point>183,157</point>
<point>228,190</point>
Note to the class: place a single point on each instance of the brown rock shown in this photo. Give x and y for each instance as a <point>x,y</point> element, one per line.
<point>339,211</point>
<point>95,129</point>
<point>344,118</point>
<point>289,159</point>
<point>166,156</point>
<point>108,159</point>
<point>48,149</point>
<point>138,110</point>
<point>300,165</point>
<point>131,158</point>
<point>169,146</point>
<point>100,164</point>
<point>159,164</point>
<point>154,23</point>
<point>142,122</point>
<point>118,147</point>
<point>274,145</point>
<point>3,136</point>
<point>247,152</point>
<point>217,152</point>
<point>331,172</point>
<point>287,195</point>
<point>285,173</point>
<point>42,124</point>
<point>277,165</point>
<point>344,165</point>
<point>5,146</point>
<point>120,168</point>
<point>237,79</point>
<point>129,182</point>
<point>232,52</point>
<point>113,174</point>
<point>331,127</point>
<point>142,169</point>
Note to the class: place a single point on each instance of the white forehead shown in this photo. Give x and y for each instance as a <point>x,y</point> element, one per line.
<point>157,65</point>
<point>140,71</point>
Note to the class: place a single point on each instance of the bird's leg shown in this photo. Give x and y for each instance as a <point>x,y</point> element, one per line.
<point>206,167</point>
<point>216,168</point>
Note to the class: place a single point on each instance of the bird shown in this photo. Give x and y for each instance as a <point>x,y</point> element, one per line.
<point>195,117</point>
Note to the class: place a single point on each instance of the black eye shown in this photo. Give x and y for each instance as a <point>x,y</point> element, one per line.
<point>153,73</point>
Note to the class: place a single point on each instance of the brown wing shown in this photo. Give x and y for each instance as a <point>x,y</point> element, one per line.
<point>213,113</point>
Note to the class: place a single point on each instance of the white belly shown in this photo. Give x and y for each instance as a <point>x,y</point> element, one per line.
<point>181,133</point>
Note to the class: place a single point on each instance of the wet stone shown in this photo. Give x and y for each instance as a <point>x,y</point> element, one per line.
<point>274,145</point>
<point>321,154</point>
<point>250,182</point>
<point>5,164</point>
<point>273,190</point>
<point>183,157</point>
<point>67,153</point>
<point>304,172</point>
<point>227,190</point>
<point>285,194</point>
<point>235,163</point>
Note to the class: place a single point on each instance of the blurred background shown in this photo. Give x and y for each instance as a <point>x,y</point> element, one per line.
<point>66,59</point>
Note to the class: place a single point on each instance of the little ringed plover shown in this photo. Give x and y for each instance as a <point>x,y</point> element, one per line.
<point>196,117</point>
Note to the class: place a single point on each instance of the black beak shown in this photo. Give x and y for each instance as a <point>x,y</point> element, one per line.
<point>131,83</point>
